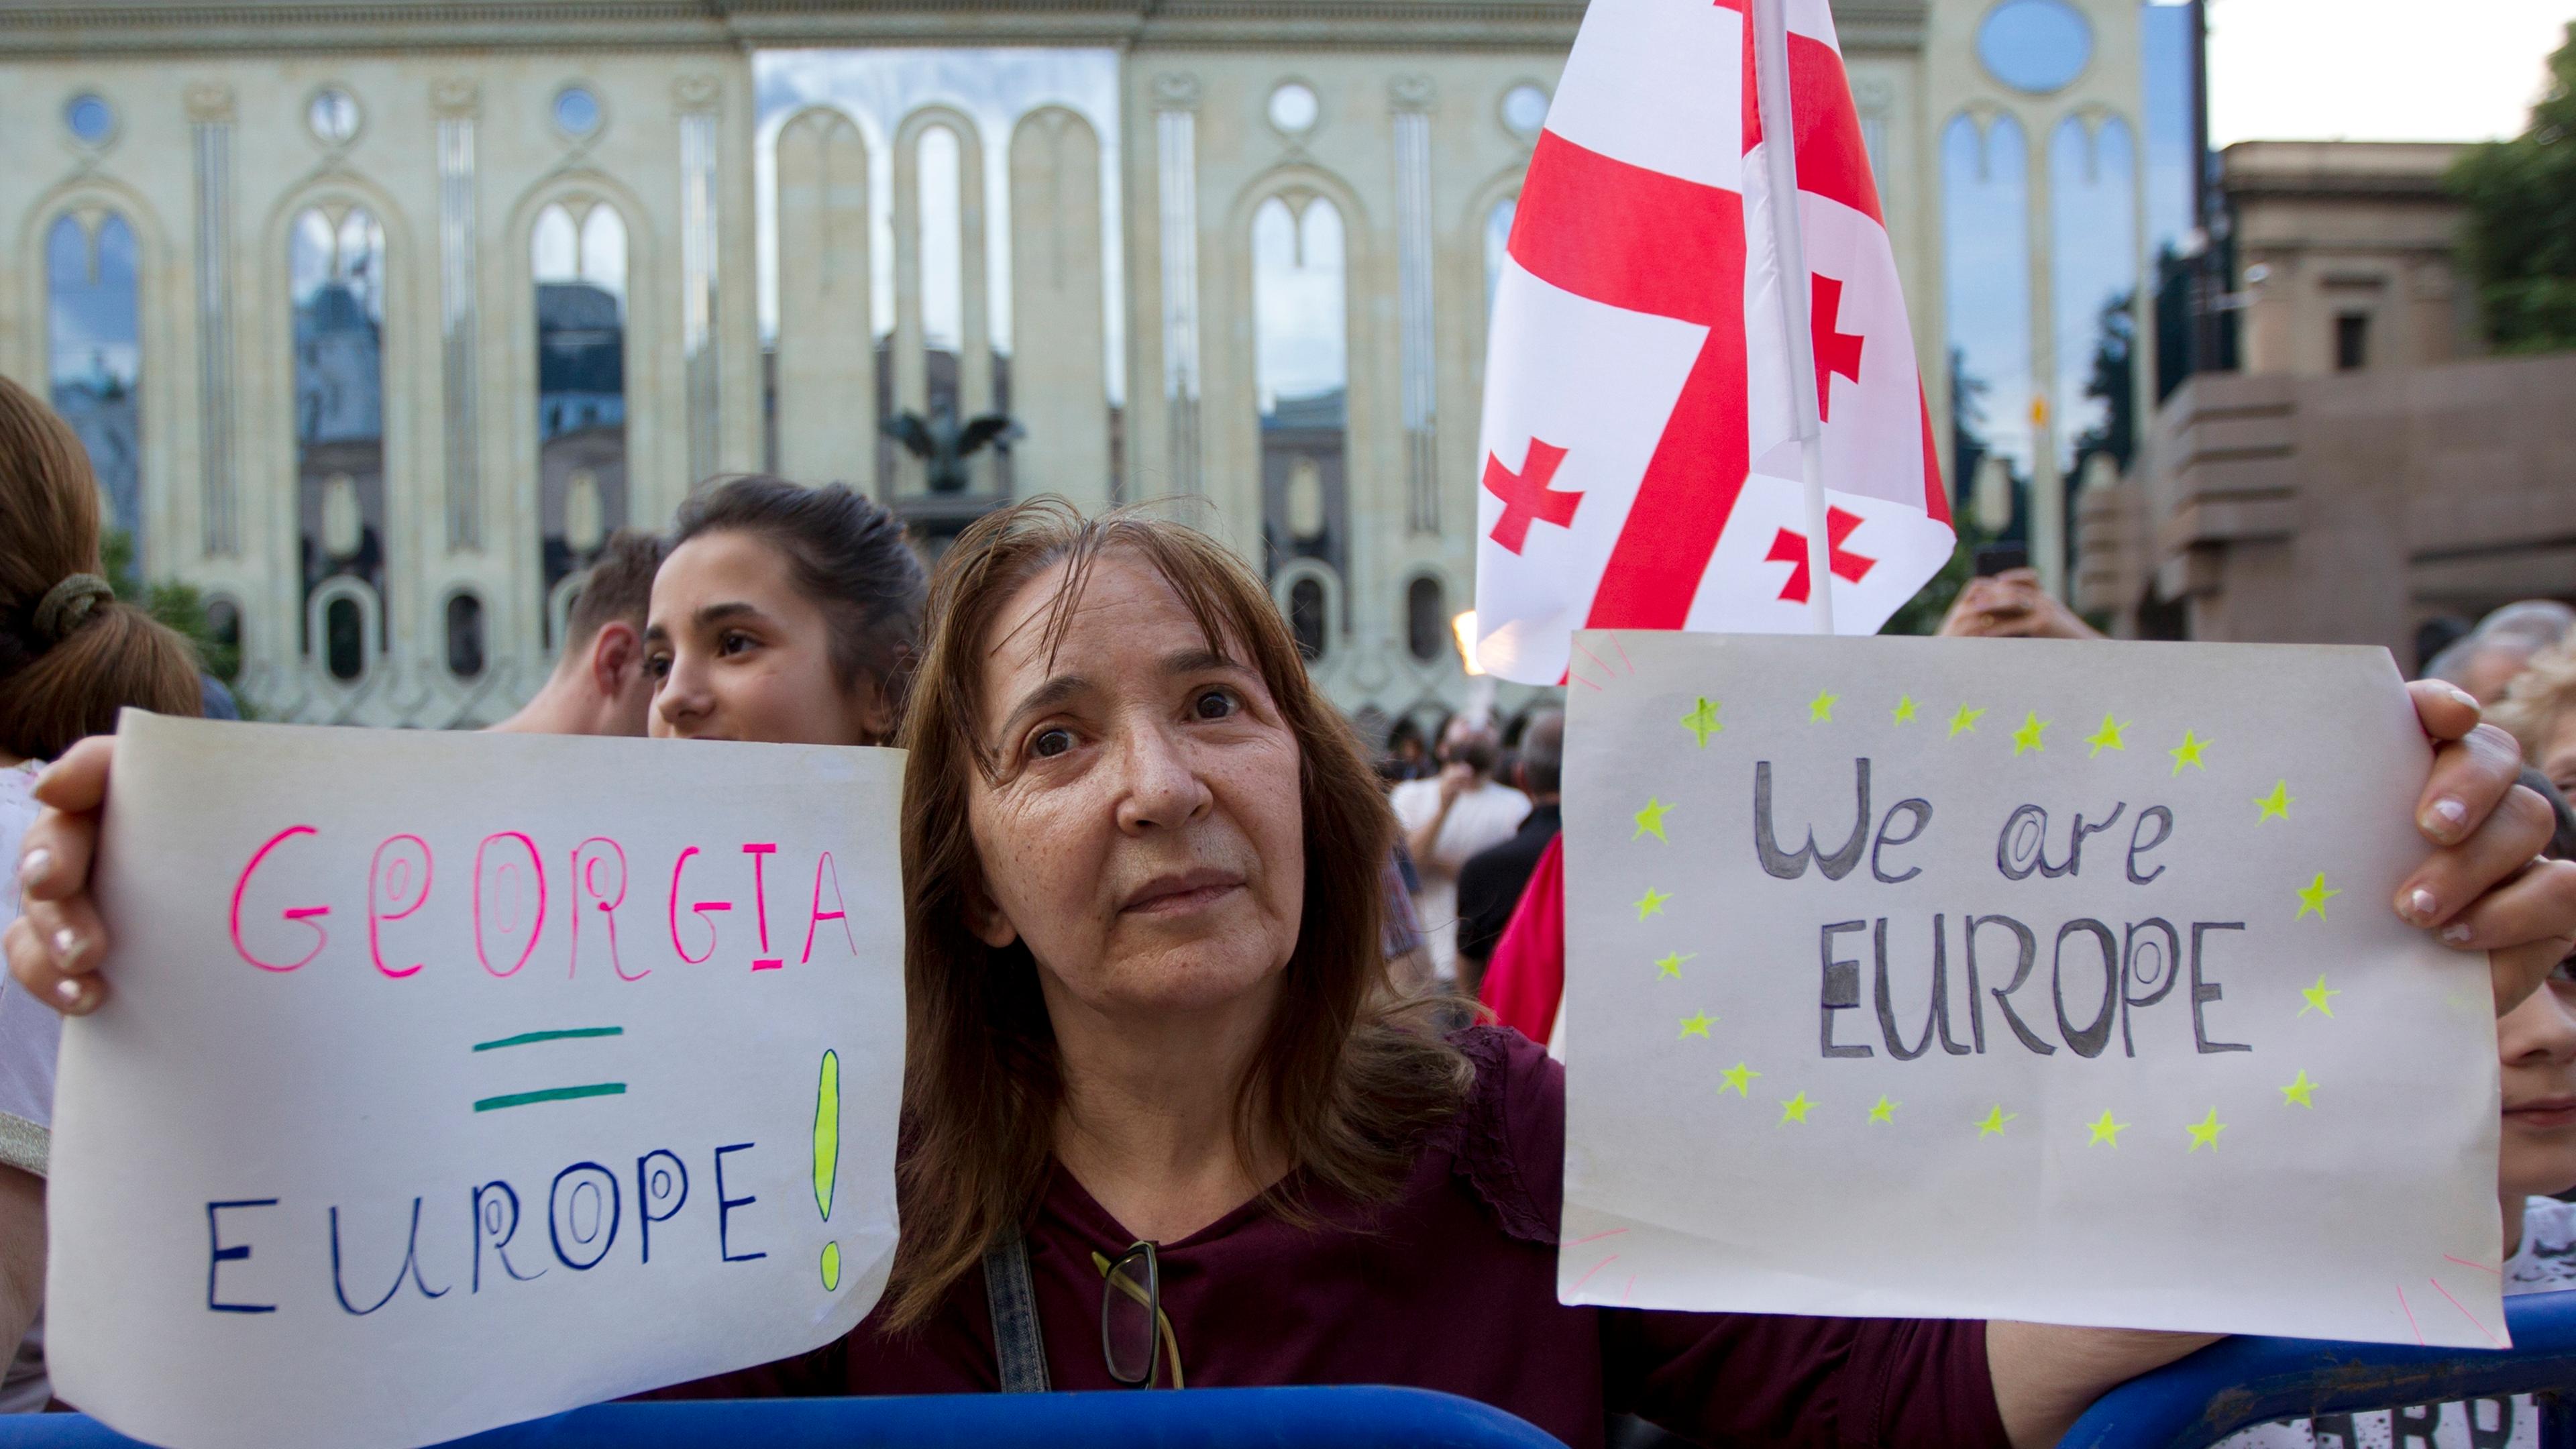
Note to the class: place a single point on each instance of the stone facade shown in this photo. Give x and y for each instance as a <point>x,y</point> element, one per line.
<point>782,289</point>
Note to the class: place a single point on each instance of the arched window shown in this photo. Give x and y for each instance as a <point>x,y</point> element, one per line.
<point>344,641</point>
<point>95,361</point>
<point>1306,615</point>
<point>464,636</point>
<point>1985,214</point>
<point>578,258</point>
<point>1426,618</point>
<point>943,268</point>
<point>1498,240</point>
<point>336,284</point>
<point>1302,372</point>
<point>2093,201</point>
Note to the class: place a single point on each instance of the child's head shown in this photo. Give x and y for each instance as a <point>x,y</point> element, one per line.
<point>2536,1042</point>
<point>783,613</point>
<point>70,654</point>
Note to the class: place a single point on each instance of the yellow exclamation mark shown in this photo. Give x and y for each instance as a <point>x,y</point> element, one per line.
<point>827,1158</point>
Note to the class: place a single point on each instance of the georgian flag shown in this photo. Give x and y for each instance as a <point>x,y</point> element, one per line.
<point>1640,465</point>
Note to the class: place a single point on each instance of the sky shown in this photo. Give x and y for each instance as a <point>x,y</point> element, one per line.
<point>2377,70</point>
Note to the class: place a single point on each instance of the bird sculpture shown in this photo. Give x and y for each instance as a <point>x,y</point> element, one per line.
<point>943,445</point>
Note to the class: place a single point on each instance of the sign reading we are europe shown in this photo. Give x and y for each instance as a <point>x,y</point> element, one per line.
<point>2050,981</point>
<point>452,1080</point>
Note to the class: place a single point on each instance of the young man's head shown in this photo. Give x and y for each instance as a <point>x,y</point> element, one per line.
<point>599,685</point>
<point>1542,757</point>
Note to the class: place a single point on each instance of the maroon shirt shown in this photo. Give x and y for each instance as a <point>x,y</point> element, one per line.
<point>1450,1287</point>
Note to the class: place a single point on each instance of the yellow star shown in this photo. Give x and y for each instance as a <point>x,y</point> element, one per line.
<point>1696,1025</point>
<point>2107,737</point>
<point>1885,1111</point>
<point>1820,710</point>
<point>1795,1108</point>
<point>1650,821</point>
<point>2188,752</point>
<point>2027,737</point>
<point>2314,895</point>
<point>1905,709</point>
<point>1651,903</point>
<point>2275,806</point>
<point>1702,721</point>
<point>2107,1130</point>
<point>1740,1078</point>
<point>1992,1124</point>
<point>2299,1091</point>
<point>2320,998</point>
<point>2204,1133</point>
<point>1965,721</point>
<point>1671,964</point>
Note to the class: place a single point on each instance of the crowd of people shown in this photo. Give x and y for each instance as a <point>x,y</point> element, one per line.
<point>1170,950</point>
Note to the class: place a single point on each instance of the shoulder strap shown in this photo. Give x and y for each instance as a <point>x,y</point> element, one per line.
<point>1019,1345</point>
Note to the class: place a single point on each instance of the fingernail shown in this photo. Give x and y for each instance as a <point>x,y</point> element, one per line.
<point>2447,818</point>
<point>2456,934</point>
<point>2420,906</point>
<point>74,995</point>
<point>2466,698</point>
<point>66,943</point>
<point>35,866</point>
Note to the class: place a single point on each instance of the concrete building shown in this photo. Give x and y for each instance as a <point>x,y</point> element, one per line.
<point>416,303</point>
<point>2364,471</point>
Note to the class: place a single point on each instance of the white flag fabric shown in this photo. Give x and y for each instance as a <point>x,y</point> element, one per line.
<point>1640,461</point>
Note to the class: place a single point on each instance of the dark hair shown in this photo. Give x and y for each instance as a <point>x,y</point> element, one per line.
<point>1543,751</point>
<point>845,553</point>
<point>1339,1079</point>
<point>619,586</point>
<point>71,655</point>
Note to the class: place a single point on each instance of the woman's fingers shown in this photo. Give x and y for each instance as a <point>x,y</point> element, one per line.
<point>2453,878</point>
<point>77,782</point>
<point>55,947</point>
<point>54,856</point>
<point>2527,925</point>
<point>33,964</point>
<point>2472,775</point>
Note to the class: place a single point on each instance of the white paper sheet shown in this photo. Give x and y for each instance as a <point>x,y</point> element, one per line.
<point>451,1080</point>
<point>2296,1135</point>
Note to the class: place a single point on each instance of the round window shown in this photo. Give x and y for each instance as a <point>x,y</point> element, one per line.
<point>90,119</point>
<point>333,117</point>
<point>1293,108</point>
<point>576,111</point>
<point>1524,110</point>
<point>2036,46</point>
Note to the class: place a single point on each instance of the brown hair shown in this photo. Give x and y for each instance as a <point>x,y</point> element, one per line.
<point>845,552</point>
<point>1339,1081</point>
<point>618,587</point>
<point>70,654</point>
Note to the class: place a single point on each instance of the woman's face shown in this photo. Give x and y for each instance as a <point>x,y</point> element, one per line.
<point>1146,839</point>
<point>737,652</point>
<point>2537,1044</point>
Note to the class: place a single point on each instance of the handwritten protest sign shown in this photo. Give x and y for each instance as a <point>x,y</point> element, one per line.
<point>449,1081</point>
<point>2058,982</point>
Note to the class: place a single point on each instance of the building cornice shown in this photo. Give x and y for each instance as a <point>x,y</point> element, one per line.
<point>33,29</point>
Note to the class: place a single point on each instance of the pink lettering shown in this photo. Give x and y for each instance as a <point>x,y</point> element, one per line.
<point>839,912</point>
<point>702,908</point>
<point>389,885</point>
<point>507,873</point>
<point>760,903</point>
<point>305,914</point>
<point>585,870</point>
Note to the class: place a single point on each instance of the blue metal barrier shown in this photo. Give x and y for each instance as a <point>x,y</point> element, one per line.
<point>1343,1418</point>
<point>2243,1381</point>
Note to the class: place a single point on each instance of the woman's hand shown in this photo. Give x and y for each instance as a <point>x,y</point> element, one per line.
<point>56,945</point>
<point>2485,888</point>
<point>2012,605</point>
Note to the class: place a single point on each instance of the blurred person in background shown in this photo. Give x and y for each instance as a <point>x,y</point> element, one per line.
<point>2503,643</point>
<point>2011,605</point>
<point>1491,882</point>
<point>599,685</point>
<point>2540,709</point>
<point>1450,817</point>
<point>71,656</point>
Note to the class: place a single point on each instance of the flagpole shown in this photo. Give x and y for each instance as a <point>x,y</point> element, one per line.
<point>1780,155</point>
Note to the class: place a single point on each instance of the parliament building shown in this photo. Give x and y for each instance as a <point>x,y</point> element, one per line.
<point>378,317</point>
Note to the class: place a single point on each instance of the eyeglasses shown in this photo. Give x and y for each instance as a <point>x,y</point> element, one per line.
<point>1131,1316</point>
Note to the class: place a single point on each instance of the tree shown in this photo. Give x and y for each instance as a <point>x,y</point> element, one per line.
<point>2519,243</point>
<point>175,604</point>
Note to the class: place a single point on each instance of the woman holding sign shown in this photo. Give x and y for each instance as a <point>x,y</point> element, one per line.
<point>1166,1126</point>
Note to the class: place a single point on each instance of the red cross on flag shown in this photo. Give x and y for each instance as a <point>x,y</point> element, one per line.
<point>1643,457</point>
